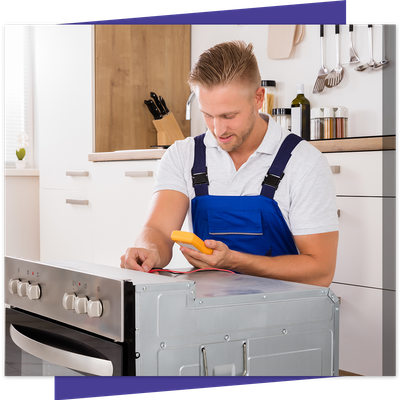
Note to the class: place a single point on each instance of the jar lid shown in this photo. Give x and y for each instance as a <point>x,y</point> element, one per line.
<point>317,112</point>
<point>341,112</point>
<point>329,112</point>
<point>268,83</point>
<point>285,111</point>
<point>275,111</point>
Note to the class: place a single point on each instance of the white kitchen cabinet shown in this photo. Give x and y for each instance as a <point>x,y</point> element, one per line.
<point>66,221</point>
<point>122,193</point>
<point>365,269</point>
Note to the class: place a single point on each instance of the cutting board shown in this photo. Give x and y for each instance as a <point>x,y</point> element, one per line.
<point>282,38</point>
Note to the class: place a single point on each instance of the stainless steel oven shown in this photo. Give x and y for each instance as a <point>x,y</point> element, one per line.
<point>76,318</point>
<point>67,320</point>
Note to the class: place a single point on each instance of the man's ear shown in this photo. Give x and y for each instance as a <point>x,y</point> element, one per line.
<point>259,97</point>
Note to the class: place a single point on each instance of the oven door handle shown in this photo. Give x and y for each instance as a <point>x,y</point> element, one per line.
<point>87,363</point>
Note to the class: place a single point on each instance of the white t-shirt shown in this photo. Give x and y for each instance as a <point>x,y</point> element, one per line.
<point>305,196</point>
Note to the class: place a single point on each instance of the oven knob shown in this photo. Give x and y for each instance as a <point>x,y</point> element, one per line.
<point>81,304</point>
<point>13,286</point>
<point>34,291</point>
<point>22,287</point>
<point>68,301</point>
<point>94,308</point>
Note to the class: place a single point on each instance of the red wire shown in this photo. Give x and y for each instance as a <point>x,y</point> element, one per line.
<point>191,272</point>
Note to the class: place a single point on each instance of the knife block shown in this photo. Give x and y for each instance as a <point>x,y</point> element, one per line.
<point>168,130</point>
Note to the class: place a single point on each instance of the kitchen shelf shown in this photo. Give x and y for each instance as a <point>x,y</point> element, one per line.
<point>369,143</point>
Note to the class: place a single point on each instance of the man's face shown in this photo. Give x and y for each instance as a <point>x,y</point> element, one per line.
<point>229,112</point>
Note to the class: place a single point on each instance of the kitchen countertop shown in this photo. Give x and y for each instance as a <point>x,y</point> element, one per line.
<point>372,143</point>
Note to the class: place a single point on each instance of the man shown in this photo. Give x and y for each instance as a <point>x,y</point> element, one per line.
<point>263,212</point>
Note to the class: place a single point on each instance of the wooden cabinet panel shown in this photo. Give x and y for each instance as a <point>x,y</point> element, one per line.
<point>131,62</point>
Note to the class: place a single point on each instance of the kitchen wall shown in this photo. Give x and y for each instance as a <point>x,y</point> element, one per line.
<point>360,92</point>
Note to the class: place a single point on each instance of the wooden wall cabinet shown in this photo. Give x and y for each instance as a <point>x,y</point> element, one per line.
<point>130,62</point>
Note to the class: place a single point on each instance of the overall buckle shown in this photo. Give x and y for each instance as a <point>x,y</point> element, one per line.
<point>272,180</point>
<point>200,178</point>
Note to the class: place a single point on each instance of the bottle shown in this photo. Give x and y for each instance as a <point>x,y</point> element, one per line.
<point>300,114</point>
<point>329,114</point>
<point>269,97</point>
<point>341,118</point>
<point>317,123</point>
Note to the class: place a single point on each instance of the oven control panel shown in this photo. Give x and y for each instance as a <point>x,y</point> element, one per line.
<point>75,297</point>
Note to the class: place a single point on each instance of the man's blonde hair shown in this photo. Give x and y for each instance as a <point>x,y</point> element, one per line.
<point>226,63</point>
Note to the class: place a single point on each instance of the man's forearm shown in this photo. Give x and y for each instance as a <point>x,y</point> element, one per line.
<point>297,268</point>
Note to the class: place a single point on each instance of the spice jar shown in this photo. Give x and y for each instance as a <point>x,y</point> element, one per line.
<point>285,114</point>
<point>341,119</point>
<point>276,116</point>
<point>317,124</point>
<point>269,97</point>
<point>328,123</point>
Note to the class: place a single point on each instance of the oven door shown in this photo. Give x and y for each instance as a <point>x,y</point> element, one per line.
<point>39,347</point>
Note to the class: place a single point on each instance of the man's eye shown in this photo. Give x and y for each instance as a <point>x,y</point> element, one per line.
<point>230,116</point>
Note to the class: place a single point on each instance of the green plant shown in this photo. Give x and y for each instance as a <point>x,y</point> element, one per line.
<point>22,140</point>
<point>20,153</point>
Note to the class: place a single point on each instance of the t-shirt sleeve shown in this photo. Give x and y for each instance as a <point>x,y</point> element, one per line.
<point>171,173</point>
<point>313,209</point>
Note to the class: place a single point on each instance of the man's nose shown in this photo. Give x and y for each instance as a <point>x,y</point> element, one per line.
<point>219,126</point>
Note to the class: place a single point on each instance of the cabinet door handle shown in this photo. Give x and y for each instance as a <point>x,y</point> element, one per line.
<point>335,169</point>
<point>77,173</point>
<point>79,202</point>
<point>338,213</point>
<point>136,174</point>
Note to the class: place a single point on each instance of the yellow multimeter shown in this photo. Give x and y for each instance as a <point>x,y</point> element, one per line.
<point>190,240</point>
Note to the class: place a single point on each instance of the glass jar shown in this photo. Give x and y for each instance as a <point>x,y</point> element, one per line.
<point>269,97</point>
<point>276,116</point>
<point>341,119</point>
<point>285,114</point>
<point>329,115</point>
<point>317,124</point>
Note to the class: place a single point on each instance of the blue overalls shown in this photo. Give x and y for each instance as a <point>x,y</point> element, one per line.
<point>249,224</point>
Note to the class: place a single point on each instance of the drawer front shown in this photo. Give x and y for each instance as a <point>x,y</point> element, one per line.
<point>67,177</point>
<point>370,173</point>
<point>65,225</point>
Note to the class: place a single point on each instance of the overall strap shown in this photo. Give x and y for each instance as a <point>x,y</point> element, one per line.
<point>199,169</point>
<point>275,172</point>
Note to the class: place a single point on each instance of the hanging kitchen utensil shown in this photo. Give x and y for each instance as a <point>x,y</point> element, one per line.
<point>371,63</point>
<point>280,41</point>
<point>323,72</point>
<point>336,75</point>
<point>382,63</point>
<point>353,55</point>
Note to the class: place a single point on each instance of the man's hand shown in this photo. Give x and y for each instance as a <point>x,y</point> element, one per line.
<point>140,259</point>
<point>218,259</point>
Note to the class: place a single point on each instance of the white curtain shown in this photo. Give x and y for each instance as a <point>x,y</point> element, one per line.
<point>18,91</point>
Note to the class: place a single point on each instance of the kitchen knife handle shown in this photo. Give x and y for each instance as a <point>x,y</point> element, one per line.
<point>157,102</point>
<point>164,105</point>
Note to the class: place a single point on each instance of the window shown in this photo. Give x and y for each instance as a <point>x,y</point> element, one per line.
<point>18,91</point>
